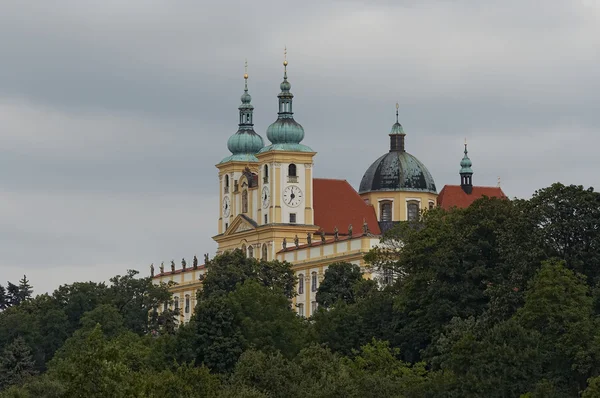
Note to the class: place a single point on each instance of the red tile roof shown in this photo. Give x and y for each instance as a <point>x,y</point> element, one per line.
<point>336,203</point>
<point>453,196</point>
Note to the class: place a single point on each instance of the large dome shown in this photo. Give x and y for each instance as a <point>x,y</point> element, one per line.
<point>397,171</point>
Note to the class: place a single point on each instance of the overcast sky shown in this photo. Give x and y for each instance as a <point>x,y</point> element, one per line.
<point>114,113</point>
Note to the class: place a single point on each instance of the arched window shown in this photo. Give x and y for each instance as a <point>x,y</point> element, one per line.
<point>292,170</point>
<point>301,284</point>
<point>266,174</point>
<point>226,183</point>
<point>187,303</point>
<point>176,299</point>
<point>265,252</point>
<point>431,205</point>
<point>244,201</point>
<point>250,251</point>
<point>301,309</point>
<point>413,211</point>
<point>313,307</point>
<point>385,211</point>
<point>244,250</point>
<point>313,281</point>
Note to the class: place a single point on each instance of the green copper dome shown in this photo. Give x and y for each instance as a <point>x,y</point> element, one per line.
<point>285,133</point>
<point>397,170</point>
<point>245,143</point>
<point>465,163</point>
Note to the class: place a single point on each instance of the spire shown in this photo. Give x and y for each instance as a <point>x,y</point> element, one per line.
<point>285,133</point>
<point>397,135</point>
<point>466,172</point>
<point>245,143</point>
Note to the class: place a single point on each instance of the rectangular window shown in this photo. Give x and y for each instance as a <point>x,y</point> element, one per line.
<point>226,226</point>
<point>292,218</point>
<point>266,218</point>
<point>313,308</point>
<point>313,282</point>
<point>301,309</point>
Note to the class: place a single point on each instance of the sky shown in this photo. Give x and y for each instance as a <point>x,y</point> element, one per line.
<point>113,114</point>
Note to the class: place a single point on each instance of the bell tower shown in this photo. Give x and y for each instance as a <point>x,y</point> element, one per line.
<point>238,193</point>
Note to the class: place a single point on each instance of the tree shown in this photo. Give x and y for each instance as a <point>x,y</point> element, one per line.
<point>135,298</point>
<point>342,281</point>
<point>228,270</point>
<point>3,298</point>
<point>444,267</point>
<point>566,221</point>
<point>25,289</point>
<point>559,307</point>
<point>16,363</point>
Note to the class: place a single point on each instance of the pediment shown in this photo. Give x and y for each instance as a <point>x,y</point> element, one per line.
<point>241,223</point>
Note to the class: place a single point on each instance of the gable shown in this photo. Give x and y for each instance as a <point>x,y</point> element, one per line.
<point>241,223</point>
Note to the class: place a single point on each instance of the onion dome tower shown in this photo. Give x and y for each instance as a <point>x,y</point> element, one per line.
<point>285,133</point>
<point>466,172</point>
<point>397,170</point>
<point>245,143</point>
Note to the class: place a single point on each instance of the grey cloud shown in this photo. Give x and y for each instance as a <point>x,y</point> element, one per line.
<point>113,114</point>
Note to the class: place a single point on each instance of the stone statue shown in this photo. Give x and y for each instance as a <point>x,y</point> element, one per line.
<point>206,259</point>
<point>350,231</point>
<point>336,234</point>
<point>296,241</point>
<point>172,266</point>
<point>309,238</point>
<point>195,263</point>
<point>183,263</point>
<point>284,243</point>
<point>152,270</point>
<point>365,226</point>
<point>322,233</point>
<point>162,267</point>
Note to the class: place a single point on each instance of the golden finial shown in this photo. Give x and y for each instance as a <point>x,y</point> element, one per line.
<point>285,56</point>
<point>397,106</point>
<point>246,69</point>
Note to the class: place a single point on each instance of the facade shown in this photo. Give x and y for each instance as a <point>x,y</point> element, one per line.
<point>272,207</point>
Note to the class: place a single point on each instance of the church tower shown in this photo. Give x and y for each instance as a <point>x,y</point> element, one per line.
<point>238,178</point>
<point>286,171</point>
<point>466,173</point>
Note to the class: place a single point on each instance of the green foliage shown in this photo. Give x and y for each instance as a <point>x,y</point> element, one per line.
<point>342,282</point>
<point>250,316</point>
<point>16,363</point>
<point>498,300</point>
<point>233,268</point>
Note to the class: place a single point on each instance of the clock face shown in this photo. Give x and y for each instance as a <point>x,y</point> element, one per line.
<point>226,206</point>
<point>266,197</point>
<point>292,196</point>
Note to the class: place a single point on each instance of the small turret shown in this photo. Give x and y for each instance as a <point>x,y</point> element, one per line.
<point>397,135</point>
<point>466,172</point>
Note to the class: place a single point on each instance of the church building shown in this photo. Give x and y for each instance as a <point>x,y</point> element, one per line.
<point>272,207</point>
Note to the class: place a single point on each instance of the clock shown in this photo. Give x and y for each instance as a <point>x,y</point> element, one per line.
<point>266,197</point>
<point>292,196</point>
<point>226,206</point>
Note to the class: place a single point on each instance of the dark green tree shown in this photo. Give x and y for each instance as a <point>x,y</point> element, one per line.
<point>3,298</point>
<point>232,268</point>
<point>16,363</point>
<point>25,289</point>
<point>342,281</point>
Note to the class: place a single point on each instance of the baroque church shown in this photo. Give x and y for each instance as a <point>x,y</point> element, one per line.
<point>272,208</point>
